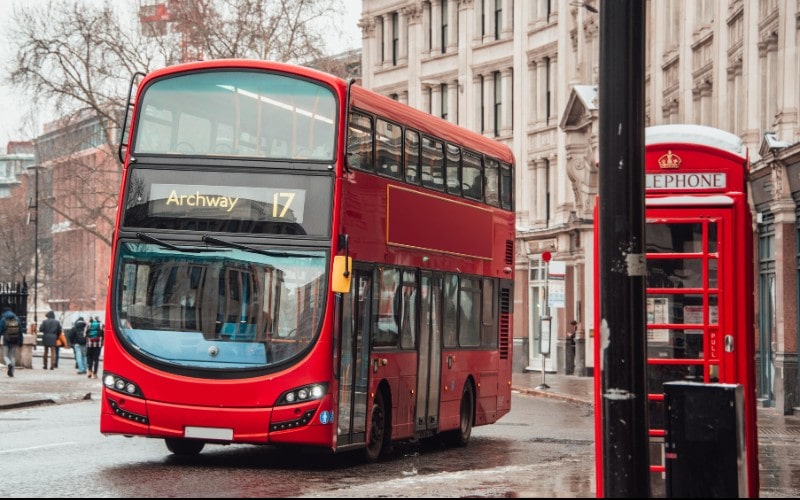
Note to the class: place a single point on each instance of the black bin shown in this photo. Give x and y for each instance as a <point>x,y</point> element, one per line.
<point>704,442</point>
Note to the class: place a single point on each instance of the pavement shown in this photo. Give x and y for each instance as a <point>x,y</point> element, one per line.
<point>36,386</point>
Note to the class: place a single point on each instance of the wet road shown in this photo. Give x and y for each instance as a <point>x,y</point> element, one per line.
<point>543,448</point>
<point>518,456</point>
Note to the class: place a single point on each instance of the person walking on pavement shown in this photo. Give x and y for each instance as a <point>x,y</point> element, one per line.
<point>11,333</point>
<point>77,339</point>
<point>94,344</point>
<point>51,329</point>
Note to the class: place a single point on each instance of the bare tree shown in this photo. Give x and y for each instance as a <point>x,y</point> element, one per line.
<point>16,238</point>
<point>78,56</point>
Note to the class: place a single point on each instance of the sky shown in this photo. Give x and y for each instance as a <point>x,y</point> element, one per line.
<point>14,110</point>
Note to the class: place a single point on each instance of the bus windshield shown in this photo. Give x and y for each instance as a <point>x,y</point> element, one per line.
<point>237,113</point>
<point>218,307</point>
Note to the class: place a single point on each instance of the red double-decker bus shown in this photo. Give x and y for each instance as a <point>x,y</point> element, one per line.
<point>298,260</point>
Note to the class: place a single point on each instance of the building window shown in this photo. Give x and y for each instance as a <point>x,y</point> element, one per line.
<point>483,104</point>
<point>547,195</point>
<point>429,9</point>
<point>483,18</point>
<point>444,26</point>
<point>548,90</point>
<point>383,42</point>
<point>498,18</point>
<point>395,38</point>
<point>767,304</point>
<point>443,94</point>
<point>498,103</point>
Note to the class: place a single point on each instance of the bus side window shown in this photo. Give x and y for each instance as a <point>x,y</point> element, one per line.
<point>450,327</point>
<point>453,169</point>
<point>359,145</point>
<point>386,306</point>
<point>472,176</point>
<point>408,322</point>
<point>469,308</point>
<point>412,156</point>
<point>432,164</point>
<point>388,148</point>
<point>506,187</point>
<point>489,316</point>
<point>490,173</point>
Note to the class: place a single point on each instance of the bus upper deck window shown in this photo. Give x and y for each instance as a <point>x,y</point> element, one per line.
<point>472,176</point>
<point>492,195</point>
<point>506,186</point>
<point>412,156</point>
<point>453,169</point>
<point>389,148</point>
<point>359,144</point>
<point>432,164</point>
<point>237,113</point>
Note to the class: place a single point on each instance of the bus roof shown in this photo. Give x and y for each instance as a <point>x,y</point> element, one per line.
<point>695,134</point>
<point>252,64</point>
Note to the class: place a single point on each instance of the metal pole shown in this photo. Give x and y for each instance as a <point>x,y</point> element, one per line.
<point>545,323</point>
<point>626,471</point>
<point>36,251</point>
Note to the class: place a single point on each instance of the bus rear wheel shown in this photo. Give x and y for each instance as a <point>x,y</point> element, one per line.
<point>378,436</point>
<point>460,437</point>
<point>184,447</point>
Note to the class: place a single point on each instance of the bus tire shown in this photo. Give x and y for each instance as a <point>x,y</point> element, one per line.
<point>184,447</point>
<point>378,435</point>
<point>460,437</point>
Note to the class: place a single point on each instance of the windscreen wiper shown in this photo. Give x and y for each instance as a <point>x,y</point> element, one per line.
<point>239,246</point>
<point>152,239</point>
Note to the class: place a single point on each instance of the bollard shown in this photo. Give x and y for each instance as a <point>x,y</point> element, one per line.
<point>580,355</point>
<point>24,357</point>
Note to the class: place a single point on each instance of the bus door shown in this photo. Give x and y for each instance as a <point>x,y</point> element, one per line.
<point>689,301</point>
<point>430,351</point>
<point>354,360</point>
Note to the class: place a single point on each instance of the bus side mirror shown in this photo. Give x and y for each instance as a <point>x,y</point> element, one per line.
<point>342,273</point>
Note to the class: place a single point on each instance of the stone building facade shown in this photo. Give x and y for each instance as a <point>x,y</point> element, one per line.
<point>525,72</point>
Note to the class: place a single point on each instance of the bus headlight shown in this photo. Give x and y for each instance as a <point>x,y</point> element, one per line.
<point>119,384</point>
<point>308,392</point>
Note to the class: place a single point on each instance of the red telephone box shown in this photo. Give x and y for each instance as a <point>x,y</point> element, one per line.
<point>699,285</point>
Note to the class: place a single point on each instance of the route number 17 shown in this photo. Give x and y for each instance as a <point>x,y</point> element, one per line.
<point>276,199</point>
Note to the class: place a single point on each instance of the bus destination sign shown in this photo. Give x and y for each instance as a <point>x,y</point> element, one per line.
<point>227,202</point>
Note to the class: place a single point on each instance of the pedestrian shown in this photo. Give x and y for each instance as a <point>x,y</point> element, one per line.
<point>11,333</point>
<point>51,329</point>
<point>77,339</point>
<point>573,329</point>
<point>94,344</point>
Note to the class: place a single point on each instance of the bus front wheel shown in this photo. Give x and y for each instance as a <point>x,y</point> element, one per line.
<point>184,446</point>
<point>378,436</point>
<point>460,436</point>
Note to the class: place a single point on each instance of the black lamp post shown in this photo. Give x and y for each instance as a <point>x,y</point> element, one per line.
<point>626,467</point>
<point>34,205</point>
